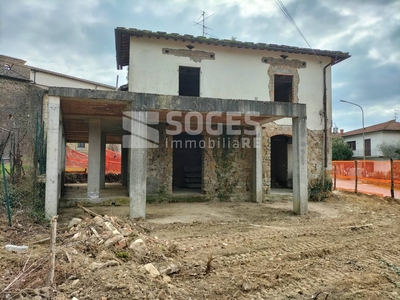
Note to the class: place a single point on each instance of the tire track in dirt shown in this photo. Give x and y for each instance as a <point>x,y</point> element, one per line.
<point>297,252</point>
<point>251,248</point>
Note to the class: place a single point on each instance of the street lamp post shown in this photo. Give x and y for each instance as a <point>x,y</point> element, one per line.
<point>362,112</point>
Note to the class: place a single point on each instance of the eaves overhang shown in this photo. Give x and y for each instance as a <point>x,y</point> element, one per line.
<point>122,44</point>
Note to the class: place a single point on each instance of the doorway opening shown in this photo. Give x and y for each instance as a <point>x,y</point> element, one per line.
<point>281,161</point>
<point>187,162</point>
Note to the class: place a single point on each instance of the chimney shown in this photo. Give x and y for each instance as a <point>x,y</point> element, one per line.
<point>341,131</point>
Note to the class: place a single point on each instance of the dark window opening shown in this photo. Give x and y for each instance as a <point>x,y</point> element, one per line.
<point>352,145</point>
<point>283,88</point>
<point>187,162</point>
<point>81,145</point>
<point>367,147</point>
<point>189,81</point>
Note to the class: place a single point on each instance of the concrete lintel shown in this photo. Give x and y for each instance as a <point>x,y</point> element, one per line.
<point>201,104</point>
<point>300,178</point>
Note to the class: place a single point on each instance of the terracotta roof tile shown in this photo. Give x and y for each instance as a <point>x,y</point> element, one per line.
<point>391,125</point>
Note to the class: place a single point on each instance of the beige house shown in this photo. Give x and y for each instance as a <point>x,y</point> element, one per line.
<point>228,119</point>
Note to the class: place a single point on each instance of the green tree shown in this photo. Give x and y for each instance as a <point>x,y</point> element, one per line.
<point>340,149</point>
<point>390,150</point>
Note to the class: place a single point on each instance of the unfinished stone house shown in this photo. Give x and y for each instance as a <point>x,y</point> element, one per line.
<point>224,118</point>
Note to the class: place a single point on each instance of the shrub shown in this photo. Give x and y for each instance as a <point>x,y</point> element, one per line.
<point>319,189</point>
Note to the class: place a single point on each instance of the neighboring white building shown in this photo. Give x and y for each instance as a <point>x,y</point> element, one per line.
<point>48,78</point>
<point>45,78</point>
<point>374,135</point>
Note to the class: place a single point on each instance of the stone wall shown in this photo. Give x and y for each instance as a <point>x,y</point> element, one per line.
<point>315,153</point>
<point>266,162</point>
<point>20,104</point>
<point>159,165</point>
<point>227,171</point>
<point>315,157</point>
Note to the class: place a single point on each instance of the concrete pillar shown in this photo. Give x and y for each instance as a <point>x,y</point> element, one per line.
<point>103,161</point>
<point>93,187</point>
<point>53,157</point>
<point>300,178</point>
<point>124,166</point>
<point>62,161</point>
<point>257,166</point>
<point>138,165</point>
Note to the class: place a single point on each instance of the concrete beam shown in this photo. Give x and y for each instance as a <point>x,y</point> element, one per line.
<point>257,166</point>
<point>182,103</point>
<point>53,157</point>
<point>93,187</point>
<point>300,179</point>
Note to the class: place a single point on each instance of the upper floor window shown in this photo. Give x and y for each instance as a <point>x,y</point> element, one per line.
<point>189,81</point>
<point>283,88</point>
<point>81,145</point>
<point>352,145</point>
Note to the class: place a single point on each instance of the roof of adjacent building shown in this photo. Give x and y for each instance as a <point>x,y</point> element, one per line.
<point>71,77</point>
<point>122,43</point>
<point>391,125</point>
<point>5,72</point>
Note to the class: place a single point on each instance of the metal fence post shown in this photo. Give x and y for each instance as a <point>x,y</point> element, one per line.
<point>356,174</point>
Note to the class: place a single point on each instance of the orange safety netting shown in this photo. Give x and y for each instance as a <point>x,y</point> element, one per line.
<point>373,171</point>
<point>77,162</point>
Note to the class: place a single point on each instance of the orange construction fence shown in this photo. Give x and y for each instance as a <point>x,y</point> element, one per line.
<point>77,162</point>
<point>376,172</point>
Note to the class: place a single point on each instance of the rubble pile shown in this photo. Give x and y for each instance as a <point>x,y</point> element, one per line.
<point>90,248</point>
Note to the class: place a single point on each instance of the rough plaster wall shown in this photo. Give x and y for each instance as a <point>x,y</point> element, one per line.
<point>23,102</point>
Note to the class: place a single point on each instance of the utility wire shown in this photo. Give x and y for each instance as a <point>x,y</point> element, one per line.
<point>289,17</point>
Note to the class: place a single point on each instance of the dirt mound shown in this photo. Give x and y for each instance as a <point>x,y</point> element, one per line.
<point>346,248</point>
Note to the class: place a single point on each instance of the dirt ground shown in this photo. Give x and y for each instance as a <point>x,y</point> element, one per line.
<point>347,247</point>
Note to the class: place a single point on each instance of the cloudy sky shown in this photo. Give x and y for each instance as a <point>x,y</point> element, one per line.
<point>76,37</point>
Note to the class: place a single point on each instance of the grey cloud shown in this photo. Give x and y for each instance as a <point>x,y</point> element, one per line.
<point>77,38</point>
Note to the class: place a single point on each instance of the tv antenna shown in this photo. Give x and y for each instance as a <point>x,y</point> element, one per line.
<point>201,23</point>
<point>396,111</point>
